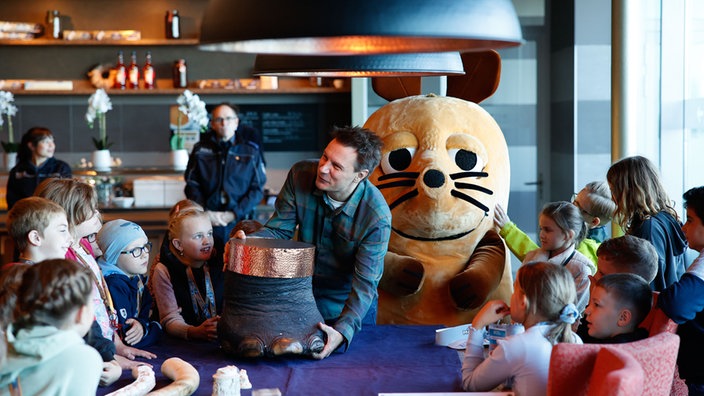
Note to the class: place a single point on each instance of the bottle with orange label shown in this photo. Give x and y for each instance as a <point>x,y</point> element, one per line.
<point>121,72</point>
<point>133,72</point>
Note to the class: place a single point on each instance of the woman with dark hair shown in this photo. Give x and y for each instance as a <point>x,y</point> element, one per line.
<point>35,163</point>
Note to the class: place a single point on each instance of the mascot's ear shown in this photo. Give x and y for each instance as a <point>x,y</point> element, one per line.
<point>482,74</point>
<point>392,88</point>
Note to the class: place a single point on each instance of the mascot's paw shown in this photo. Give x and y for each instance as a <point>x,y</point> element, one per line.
<point>471,288</point>
<point>403,275</point>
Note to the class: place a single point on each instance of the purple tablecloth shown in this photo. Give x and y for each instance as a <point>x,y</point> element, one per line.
<point>386,358</point>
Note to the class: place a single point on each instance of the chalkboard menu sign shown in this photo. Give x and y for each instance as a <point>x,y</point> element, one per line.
<point>287,127</point>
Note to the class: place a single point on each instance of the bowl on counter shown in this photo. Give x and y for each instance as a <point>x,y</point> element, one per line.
<point>123,202</point>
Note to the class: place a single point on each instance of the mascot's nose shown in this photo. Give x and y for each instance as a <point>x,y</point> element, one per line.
<point>434,178</point>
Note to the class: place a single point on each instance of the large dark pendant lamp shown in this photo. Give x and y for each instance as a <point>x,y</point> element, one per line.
<point>344,27</point>
<point>398,65</point>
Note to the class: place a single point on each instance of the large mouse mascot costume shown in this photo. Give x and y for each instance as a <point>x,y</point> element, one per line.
<point>444,167</point>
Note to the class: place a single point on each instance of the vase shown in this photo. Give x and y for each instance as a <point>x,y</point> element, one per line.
<point>179,159</point>
<point>102,160</point>
<point>10,160</point>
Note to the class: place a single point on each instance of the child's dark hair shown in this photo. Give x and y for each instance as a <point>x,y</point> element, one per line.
<point>568,218</point>
<point>630,254</point>
<point>551,293</point>
<point>694,199</point>
<point>10,281</point>
<point>630,291</point>
<point>50,292</point>
<point>33,135</point>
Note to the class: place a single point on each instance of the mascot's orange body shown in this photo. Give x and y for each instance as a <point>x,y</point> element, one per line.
<point>444,167</point>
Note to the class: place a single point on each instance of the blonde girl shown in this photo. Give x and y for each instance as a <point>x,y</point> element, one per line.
<point>188,280</point>
<point>643,209</point>
<point>543,301</point>
<point>47,354</point>
<point>561,229</point>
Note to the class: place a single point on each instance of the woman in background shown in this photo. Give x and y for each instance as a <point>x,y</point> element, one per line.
<point>35,163</point>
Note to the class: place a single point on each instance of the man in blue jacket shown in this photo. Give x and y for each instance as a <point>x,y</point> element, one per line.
<point>225,174</point>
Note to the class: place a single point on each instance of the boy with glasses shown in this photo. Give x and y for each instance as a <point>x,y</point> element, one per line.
<point>125,263</point>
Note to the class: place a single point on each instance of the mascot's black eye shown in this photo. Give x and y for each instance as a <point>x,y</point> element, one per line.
<point>465,159</point>
<point>397,160</point>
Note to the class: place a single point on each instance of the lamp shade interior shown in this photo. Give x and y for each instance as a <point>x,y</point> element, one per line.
<point>442,63</point>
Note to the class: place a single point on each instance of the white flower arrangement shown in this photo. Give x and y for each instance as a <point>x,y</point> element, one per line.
<point>192,107</point>
<point>8,108</point>
<point>99,104</point>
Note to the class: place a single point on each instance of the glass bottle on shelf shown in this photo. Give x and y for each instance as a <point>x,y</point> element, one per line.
<point>133,72</point>
<point>148,72</point>
<point>173,24</point>
<point>121,72</point>
<point>180,74</point>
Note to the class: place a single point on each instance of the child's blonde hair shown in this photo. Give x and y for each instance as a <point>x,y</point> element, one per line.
<point>50,292</point>
<point>30,214</point>
<point>567,217</point>
<point>637,190</point>
<point>600,203</point>
<point>551,294</point>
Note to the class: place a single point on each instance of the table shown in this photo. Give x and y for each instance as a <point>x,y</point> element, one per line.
<point>384,358</point>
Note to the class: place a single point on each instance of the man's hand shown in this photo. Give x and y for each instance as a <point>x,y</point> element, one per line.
<point>334,340</point>
<point>216,218</point>
<point>111,372</point>
<point>135,333</point>
<point>128,364</point>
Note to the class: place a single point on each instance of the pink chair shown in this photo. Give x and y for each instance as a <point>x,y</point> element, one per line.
<point>572,365</point>
<point>616,373</point>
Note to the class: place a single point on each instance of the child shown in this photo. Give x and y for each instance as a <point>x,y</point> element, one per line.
<point>627,254</point>
<point>619,303</point>
<point>187,280</point>
<point>39,229</point>
<point>683,301</point>
<point>35,162</point>
<point>41,232</point>
<point>542,300</point>
<point>643,209</point>
<point>595,206</point>
<point>46,354</point>
<point>80,202</point>
<point>561,229</point>
<point>125,262</point>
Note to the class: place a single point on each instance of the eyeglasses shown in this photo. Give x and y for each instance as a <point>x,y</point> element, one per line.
<point>581,210</point>
<point>91,238</point>
<point>224,119</point>
<point>137,252</point>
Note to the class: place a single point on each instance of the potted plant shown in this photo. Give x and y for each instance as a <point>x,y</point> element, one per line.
<point>98,105</point>
<point>193,108</point>
<point>10,146</point>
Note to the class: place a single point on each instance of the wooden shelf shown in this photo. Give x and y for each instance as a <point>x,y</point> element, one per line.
<point>165,87</point>
<point>102,43</point>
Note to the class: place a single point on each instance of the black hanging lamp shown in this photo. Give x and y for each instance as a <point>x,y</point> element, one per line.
<point>361,27</point>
